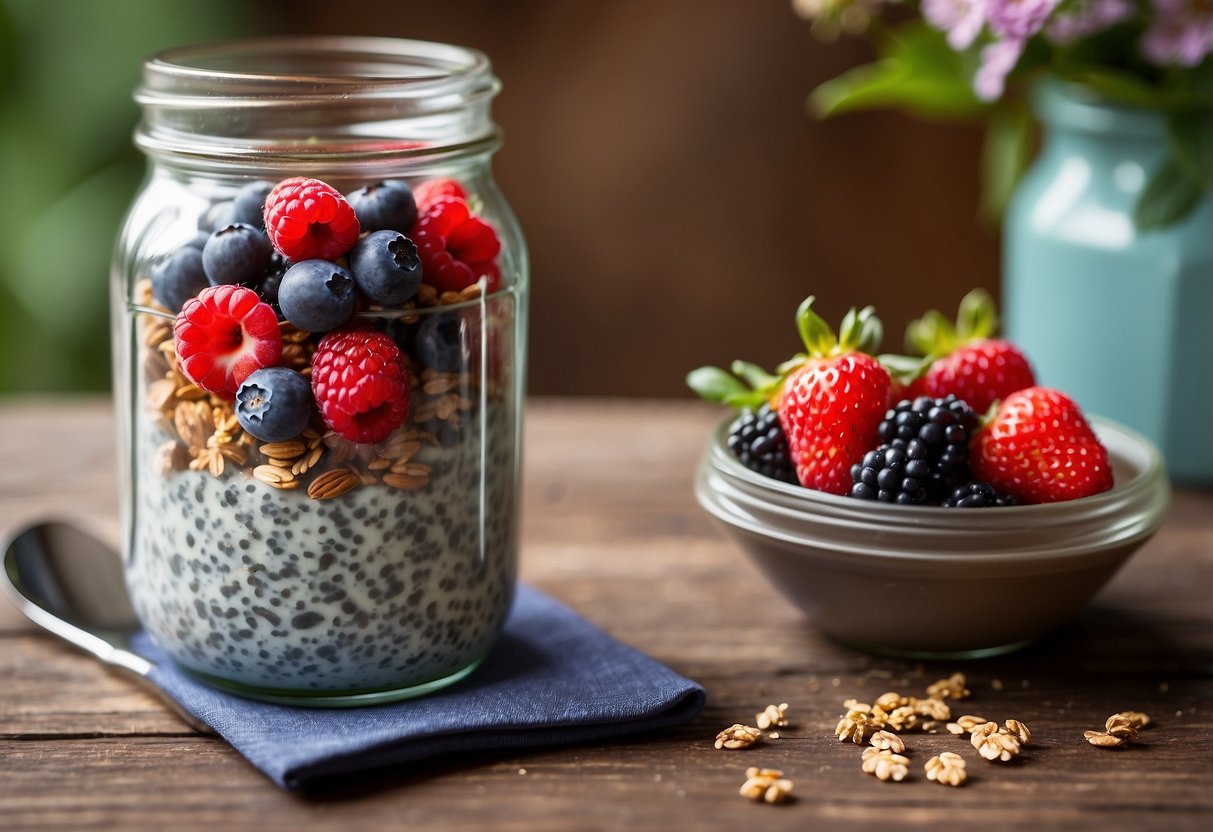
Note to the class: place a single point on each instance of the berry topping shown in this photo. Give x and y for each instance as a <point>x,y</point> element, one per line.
<point>963,358</point>
<point>384,206</point>
<point>757,440</point>
<point>178,277</point>
<point>833,398</point>
<point>977,495</point>
<point>432,190</point>
<point>274,404</point>
<point>360,384</point>
<point>386,267</point>
<point>892,475</point>
<point>249,205</point>
<point>1039,448</point>
<point>219,215</point>
<point>456,248</point>
<point>268,287</point>
<point>316,295</point>
<point>199,239</point>
<point>307,219</point>
<point>938,432</point>
<point>223,335</point>
<point>443,343</point>
<point>238,253</point>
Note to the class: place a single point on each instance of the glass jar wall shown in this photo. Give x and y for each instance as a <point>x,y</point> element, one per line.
<point>319,301</point>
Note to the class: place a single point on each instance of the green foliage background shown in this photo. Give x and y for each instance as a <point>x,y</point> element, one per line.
<point>68,171</point>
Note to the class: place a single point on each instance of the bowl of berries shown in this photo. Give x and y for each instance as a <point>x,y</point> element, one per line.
<point>944,506</point>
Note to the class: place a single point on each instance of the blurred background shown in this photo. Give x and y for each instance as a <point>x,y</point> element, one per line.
<point>677,197</point>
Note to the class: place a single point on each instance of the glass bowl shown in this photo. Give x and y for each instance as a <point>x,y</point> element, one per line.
<point>937,583</point>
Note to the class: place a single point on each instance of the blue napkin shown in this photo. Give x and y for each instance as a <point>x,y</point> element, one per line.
<point>551,678</point>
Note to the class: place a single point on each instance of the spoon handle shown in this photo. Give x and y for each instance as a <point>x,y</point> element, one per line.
<point>121,661</point>
<point>145,681</point>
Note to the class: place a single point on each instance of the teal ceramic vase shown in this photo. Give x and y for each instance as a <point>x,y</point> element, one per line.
<point>1121,319</point>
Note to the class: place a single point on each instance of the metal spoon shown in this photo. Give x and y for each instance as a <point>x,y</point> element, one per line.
<point>70,583</point>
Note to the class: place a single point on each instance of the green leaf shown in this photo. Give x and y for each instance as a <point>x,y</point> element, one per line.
<point>904,368</point>
<point>932,334</point>
<point>1191,137</point>
<point>755,376</point>
<point>1169,195</point>
<point>1005,155</point>
<point>815,333</point>
<point>869,334</point>
<point>714,384</point>
<point>977,316</point>
<point>917,72</point>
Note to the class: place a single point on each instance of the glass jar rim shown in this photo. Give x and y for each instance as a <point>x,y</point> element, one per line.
<point>228,73</point>
<point>313,96</point>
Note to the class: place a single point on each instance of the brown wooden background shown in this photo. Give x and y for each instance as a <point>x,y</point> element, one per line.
<point>678,200</point>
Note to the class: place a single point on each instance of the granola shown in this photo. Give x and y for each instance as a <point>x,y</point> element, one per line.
<point>737,736</point>
<point>766,784</point>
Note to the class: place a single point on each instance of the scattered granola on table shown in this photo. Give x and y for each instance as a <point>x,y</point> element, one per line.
<point>737,736</point>
<point>885,739</point>
<point>947,769</point>
<point>965,724</point>
<point>772,716</point>
<point>994,743</point>
<point>954,687</point>
<point>766,785</point>
<point>1119,729</point>
<point>885,765</point>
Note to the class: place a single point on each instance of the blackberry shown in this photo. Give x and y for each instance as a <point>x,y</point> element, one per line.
<point>937,431</point>
<point>892,475</point>
<point>757,440</point>
<point>977,495</point>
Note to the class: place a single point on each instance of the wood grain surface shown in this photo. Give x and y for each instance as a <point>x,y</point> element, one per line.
<point>611,528</point>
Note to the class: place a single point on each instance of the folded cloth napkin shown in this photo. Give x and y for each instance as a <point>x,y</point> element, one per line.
<point>551,678</point>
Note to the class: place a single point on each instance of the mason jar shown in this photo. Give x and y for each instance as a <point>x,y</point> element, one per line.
<point>319,304</point>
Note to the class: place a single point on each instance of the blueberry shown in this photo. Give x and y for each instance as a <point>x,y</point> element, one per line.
<point>178,277</point>
<point>386,267</point>
<point>268,287</point>
<point>249,205</point>
<point>443,343</point>
<point>274,404</point>
<point>316,295</point>
<point>384,206</point>
<point>198,241</point>
<point>237,253</point>
<point>219,215</point>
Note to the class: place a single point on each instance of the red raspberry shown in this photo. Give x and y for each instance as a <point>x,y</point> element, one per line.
<point>360,384</point>
<point>455,247</point>
<point>431,190</point>
<point>307,219</point>
<point>225,334</point>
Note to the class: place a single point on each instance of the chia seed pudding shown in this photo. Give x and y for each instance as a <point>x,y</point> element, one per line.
<point>372,590</point>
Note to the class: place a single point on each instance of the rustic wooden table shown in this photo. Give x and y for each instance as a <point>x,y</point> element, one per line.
<point>611,529</point>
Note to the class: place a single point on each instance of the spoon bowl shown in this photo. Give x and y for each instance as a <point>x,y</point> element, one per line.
<point>70,583</point>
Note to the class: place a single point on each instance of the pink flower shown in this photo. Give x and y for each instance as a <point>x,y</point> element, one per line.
<point>961,19</point>
<point>1019,19</point>
<point>1086,17</point>
<point>997,61</point>
<point>1181,33</point>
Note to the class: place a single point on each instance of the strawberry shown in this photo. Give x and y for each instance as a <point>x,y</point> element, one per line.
<point>963,359</point>
<point>1038,448</point>
<point>832,398</point>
